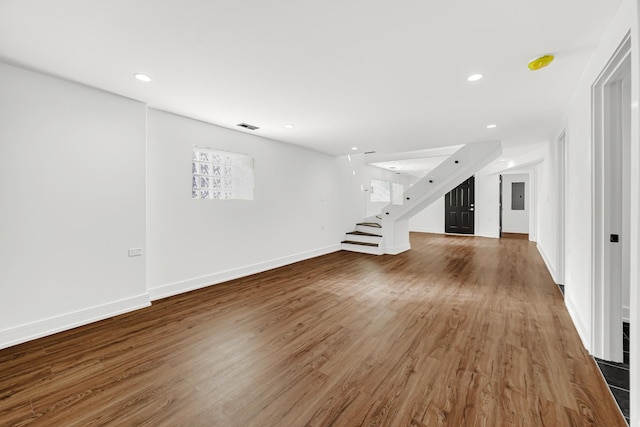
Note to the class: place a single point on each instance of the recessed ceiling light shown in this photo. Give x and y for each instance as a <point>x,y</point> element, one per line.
<point>354,148</point>
<point>289,126</point>
<point>491,126</point>
<point>142,77</point>
<point>474,77</point>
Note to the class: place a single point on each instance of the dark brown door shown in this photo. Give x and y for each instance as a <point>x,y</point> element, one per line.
<point>459,208</point>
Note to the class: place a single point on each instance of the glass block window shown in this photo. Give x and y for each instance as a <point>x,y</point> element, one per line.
<point>380,191</point>
<point>397,193</point>
<point>220,175</point>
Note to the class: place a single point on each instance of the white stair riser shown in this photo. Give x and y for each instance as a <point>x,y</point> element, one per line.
<point>359,238</point>
<point>373,250</point>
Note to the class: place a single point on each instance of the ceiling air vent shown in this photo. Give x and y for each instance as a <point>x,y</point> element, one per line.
<point>248,126</point>
<point>369,152</point>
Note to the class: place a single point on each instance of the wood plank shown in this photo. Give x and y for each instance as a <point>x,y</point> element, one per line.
<point>457,331</point>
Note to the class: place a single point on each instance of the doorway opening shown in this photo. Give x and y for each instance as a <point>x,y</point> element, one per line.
<point>515,204</point>
<point>611,98</point>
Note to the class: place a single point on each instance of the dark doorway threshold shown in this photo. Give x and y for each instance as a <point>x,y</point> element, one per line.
<point>617,375</point>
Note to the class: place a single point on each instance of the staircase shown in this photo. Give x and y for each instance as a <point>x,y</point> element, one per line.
<point>367,238</point>
<point>388,232</point>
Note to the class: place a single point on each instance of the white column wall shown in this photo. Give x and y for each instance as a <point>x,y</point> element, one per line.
<point>487,204</point>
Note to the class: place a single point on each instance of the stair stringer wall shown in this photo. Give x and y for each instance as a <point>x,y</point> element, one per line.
<point>462,164</point>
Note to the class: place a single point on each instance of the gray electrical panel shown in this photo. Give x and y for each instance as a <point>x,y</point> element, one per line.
<point>517,196</point>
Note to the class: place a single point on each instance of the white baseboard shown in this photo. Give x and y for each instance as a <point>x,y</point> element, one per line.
<point>487,235</point>
<point>397,249</point>
<point>52,325</point>
<point>583,332</point>
<point>520,231</point>
<point>552,270</point>
<point>426,230</point>
<point>626,314</point>
<point>442,233</point>
<point>170,289</point>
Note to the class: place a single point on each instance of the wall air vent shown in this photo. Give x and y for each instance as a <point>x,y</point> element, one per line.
<point>248,126</point>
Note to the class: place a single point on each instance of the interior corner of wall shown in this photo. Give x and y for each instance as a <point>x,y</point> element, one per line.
<point>547,262</point>
<point>578,323</point>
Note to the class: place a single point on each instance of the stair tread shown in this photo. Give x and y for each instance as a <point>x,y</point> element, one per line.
<point>362,233</point>
<point>370,224</point>
<point>353,242</point>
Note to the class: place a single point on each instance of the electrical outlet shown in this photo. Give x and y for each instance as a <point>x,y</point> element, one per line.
<point>135,252</point>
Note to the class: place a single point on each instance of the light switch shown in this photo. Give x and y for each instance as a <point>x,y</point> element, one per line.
<point>135,252</point>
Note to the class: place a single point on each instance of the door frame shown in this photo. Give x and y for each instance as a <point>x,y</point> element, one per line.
<point>606,99</point>
<point>500,209</point>
<point>561,156</point>
<point>530,171</point>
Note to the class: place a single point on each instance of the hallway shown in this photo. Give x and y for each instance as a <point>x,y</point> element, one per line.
<point>458,331</point>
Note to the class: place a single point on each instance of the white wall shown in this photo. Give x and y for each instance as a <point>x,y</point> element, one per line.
<point>578,226</point>
<point>579,239</point>
<point>303,206</point>
<point>545,191</point>
<point>487,204</point>
<point>515,221</point>
<point>78,189</point>
<point>72,189</point>
<point>430,220</point>
<point>373,172</point>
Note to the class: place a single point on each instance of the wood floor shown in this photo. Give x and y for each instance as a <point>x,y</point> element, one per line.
<point>459,331</point>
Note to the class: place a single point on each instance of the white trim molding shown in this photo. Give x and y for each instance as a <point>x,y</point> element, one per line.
<point>52,325</point>
<point>397,249</point>
<point>170,289</point>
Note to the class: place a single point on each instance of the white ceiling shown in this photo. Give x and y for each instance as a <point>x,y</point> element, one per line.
<point>377,75</point>
<point>413,167</point>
